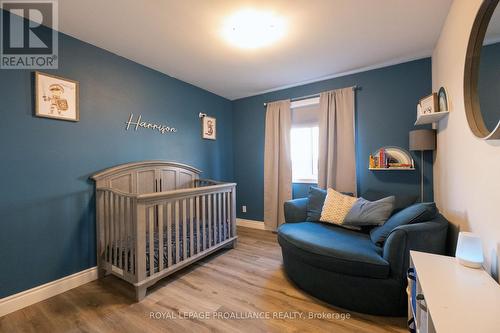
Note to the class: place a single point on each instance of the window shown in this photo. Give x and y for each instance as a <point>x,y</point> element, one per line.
<point>304,140</point>
<point>304,151</point>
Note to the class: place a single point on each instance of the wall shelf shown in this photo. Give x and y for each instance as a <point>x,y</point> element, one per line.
<point>391,169</point>
<point>430,117</point>
<point>399,158</point>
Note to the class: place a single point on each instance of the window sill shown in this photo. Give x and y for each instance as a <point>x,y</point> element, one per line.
<point>304,181</point>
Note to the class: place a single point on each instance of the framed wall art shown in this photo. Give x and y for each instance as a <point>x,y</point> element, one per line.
<point>56,97</point>
<point>209,128</point>
<point>429,104</point>
<point>443,100</point>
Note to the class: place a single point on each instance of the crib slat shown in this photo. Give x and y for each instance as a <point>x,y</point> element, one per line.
<point>228,225</point>
<point>99,226</point>
<point>126,249</point>
<point>119,247</point>
<point>169,234</point>
<point>191,225</point>
<point>112,228</point>
<point>118,218</point>
<point>160,237</point>
<point>151,219</point>
<point>224,212</point>
<point>106,223</point>
<point>233,212</point>
<point>203,221</point>
<point>184,230</point>
<point>215,217</point>
<point>133,237</point>
<point>177,231</point>
<point>124,244</point>
<point>117,228</point>
<point>209,203</point>
<point>219,204</point>
<point>122,232</point>
<point>228,214</point>
<point>197,217</point>
<point>140,236</point>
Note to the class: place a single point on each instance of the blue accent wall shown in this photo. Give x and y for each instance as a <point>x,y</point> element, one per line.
<point>489,85</point>
<point>47,210</point>
<point>385,113</point>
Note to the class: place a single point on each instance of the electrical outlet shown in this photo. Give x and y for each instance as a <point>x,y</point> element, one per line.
<point>244,209</point>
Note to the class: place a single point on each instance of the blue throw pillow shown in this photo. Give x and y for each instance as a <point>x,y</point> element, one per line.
<point>316,199</point>
<point>416,213</point>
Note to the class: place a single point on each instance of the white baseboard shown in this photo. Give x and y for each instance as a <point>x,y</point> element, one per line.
<point>250,224</point>
<point>34,295</point>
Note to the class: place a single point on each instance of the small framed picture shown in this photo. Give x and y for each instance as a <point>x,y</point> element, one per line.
<point>442,99</point>
<point>429,104</point>
<point>56,97</point>
<point>209,128</point>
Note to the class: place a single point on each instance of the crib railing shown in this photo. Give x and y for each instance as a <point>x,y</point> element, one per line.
<point>145,237</point>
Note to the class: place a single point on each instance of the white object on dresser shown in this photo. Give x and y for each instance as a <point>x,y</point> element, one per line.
<point>469,250</point>
<point>454,298</point>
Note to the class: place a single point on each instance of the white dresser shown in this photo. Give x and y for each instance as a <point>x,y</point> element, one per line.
<point>451,298</point>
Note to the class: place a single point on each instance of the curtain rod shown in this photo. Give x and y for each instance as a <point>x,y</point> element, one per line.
<point>311,96</point>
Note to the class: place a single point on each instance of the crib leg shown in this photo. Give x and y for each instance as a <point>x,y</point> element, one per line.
<point>101,273</point>
<point>233,244</point>
<point>140,293</point>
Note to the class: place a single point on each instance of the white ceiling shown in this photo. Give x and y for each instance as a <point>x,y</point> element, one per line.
<point>325,38</point>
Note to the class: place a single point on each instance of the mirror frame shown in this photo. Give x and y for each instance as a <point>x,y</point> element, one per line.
<point>471,74</point>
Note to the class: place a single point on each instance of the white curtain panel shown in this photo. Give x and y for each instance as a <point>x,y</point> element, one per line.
<point>337,156</point>
<point>277,163</point>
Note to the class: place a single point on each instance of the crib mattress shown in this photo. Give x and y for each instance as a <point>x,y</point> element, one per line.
<point>203,238</point>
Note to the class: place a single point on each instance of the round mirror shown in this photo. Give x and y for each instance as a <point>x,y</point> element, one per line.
<point>482,73</point>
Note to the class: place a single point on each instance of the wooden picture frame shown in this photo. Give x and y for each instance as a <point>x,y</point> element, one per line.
<point>56,97</point>
<point>471,73</point>
<point>209,128</point>
<point>429,104</point>
<point>443,103</point>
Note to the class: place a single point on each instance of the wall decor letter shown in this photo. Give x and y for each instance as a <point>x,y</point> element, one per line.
<point>163,129</point>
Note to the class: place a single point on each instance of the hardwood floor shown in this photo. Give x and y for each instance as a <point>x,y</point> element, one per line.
<point>246,281</point>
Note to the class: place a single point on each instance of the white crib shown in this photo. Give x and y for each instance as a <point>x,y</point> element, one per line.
<point>156,217</point>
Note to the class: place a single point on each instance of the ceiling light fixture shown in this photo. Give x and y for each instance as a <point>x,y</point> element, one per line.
<point>251,29</point>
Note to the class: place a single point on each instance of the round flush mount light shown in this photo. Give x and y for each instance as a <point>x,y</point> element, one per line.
<point>251,29</point>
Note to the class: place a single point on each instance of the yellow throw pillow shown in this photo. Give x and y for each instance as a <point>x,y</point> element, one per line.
<point>336,207</point>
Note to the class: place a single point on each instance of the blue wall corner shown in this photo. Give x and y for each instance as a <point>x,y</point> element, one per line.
<point>47,225</point>
<point>385,113</point>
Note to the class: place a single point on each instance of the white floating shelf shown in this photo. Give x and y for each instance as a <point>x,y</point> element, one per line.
<point>390,169</point>
<point>430,117</point>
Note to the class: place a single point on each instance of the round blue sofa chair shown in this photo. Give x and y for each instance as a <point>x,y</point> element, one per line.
<point>345,268</point>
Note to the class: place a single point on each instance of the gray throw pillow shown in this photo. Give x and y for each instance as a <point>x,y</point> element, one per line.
<point>365,213</point>
<point>416,213</point>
